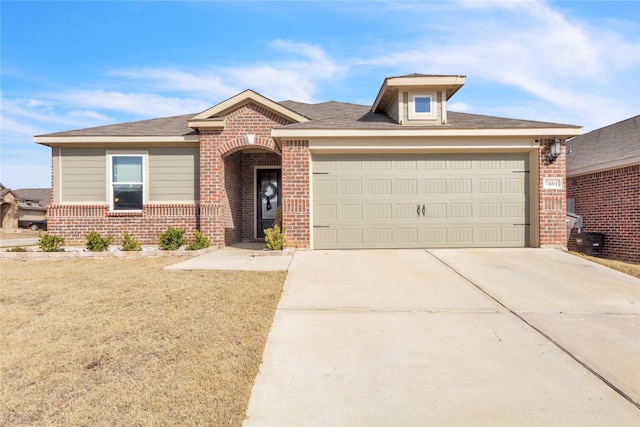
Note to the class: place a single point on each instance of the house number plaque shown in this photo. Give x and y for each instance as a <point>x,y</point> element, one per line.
<point>552,183</point>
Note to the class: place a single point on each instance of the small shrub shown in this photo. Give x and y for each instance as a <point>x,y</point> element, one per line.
<point>17,249</point>
<point>50,243</point>
<point>200,242</point>
<point>172,239</point>
<point>129,243</point>
<point>97,243</point>
<point>274,238</point>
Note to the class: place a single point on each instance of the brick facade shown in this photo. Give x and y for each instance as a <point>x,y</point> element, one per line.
<point>220,214</point>
<point>609,203</point>
<point>552,207</point>
<point>296,211</point>
<point>225,200</point>
<point>75,222</point>
<point>225,212</point>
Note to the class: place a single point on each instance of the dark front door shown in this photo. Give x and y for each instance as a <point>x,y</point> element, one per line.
<point>268,191</point>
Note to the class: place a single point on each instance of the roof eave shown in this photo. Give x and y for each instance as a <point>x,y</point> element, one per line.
<point>601,167</point>
<point>53,141</point>
<point>422,132</point>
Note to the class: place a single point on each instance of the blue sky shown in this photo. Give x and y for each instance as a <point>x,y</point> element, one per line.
<point>75,64</point>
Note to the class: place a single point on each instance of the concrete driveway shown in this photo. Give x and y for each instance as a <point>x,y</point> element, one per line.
<point>451,337</point>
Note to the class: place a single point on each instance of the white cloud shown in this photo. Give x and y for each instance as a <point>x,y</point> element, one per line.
<point>140,104</point>
<point>93,115</point>
<point>297,77</point>
<point>581,71</point>
<point>205,83</point>
<point>459,107</point>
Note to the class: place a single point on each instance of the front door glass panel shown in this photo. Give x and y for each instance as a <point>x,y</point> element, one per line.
<point>268,198</point>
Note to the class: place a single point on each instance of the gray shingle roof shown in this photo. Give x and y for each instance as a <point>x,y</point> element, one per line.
<point>166,126</point>
<point>616,144</point>
<point>335,115</point>
<point>42,195</point>
<point>324,115</point>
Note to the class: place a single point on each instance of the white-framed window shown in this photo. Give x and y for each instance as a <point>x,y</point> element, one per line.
<point>422,106</point>
<point>126,183</point>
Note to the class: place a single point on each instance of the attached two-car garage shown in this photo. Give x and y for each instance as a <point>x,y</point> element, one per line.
<point>420,200</point>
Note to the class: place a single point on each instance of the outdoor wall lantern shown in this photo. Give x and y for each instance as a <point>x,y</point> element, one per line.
<point>555,148</point>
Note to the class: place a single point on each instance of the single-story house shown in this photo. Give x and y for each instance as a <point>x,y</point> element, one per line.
<point>33,203</point>
<point>8,208</point>
<point>603,186</point>
<point>402,173</point>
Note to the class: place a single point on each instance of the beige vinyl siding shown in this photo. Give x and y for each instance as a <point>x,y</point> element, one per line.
<point>174,174</point>
<point>394,110</point>
<point>83,175</point>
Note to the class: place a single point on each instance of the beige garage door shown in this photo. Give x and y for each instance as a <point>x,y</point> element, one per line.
<point>420,200</point>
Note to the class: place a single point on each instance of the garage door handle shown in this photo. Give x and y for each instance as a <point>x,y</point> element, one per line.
<point>418,211</point>
<point>422,210</point>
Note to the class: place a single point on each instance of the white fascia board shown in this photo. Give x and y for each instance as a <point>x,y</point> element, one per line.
<point>71,140</point>
<point>381,93</point>
<point>422,145</point>
<point>217,123</point>
<point>242,98</point>
<point>418,149</point>
<point>426,81</point>
<point>422,132</point>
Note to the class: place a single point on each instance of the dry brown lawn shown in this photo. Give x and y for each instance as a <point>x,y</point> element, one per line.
<point>625,267</point>
<point>124,342</point>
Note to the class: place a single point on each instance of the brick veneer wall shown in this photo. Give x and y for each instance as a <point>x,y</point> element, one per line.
<point>75,222</point>
<point>233,198</point>
<point>296,192</point>
<point>609,203</point>
<point>217,145</point>
<point>552,207</point>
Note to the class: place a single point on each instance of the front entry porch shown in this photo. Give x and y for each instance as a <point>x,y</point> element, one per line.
<point>252,194</point>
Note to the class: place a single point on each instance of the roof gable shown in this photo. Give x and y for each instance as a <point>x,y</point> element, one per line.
<point>213,118</point>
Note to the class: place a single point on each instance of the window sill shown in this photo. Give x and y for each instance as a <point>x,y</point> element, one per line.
<point>124,213</point>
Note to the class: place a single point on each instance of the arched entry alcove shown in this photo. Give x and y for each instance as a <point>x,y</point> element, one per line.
<point>249,204</point>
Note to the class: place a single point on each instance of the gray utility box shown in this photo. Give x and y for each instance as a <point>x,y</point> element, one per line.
<point>590,244</point>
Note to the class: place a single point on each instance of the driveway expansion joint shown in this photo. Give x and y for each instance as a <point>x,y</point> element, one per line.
<point>539,331</point>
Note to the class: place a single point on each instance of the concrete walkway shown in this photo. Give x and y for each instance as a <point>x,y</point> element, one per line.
<point>242,257</point>
<point>19,242</point>
<point>451,337</point>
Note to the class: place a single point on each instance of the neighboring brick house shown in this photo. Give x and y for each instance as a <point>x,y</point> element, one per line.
<point>603,186</point>
<point>33,203</point>
<point>403,173</point>
<point>8,208</point>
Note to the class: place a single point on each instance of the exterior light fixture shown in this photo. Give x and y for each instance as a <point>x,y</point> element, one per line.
<point>555,148</point>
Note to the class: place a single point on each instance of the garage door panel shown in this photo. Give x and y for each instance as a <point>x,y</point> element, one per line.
<point>428,200</point>
<point>351,212</point>
<point>382,237</point>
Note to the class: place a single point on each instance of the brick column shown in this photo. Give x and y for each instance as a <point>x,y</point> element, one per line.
<point>211,188</point>
<point>295,193</point>
<point>553,202</point>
